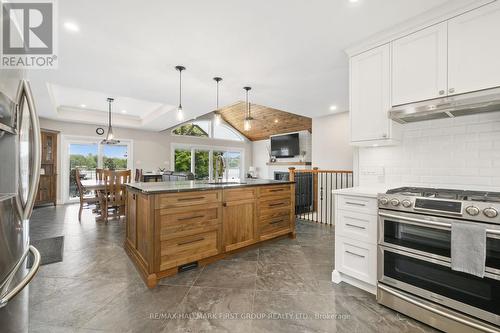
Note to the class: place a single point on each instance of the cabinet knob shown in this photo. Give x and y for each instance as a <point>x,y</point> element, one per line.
<point>451,90</point>
<point>441,92</point>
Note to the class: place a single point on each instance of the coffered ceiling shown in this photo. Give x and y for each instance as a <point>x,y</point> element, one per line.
<point>267,121</point>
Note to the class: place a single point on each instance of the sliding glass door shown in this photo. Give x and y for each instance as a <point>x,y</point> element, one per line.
<point>87,154</point>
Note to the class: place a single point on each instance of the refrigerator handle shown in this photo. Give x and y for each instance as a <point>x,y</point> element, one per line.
<point>25,91</point>
<point>26,280</point>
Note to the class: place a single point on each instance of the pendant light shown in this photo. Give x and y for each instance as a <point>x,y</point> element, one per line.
<point>217,115</point>
<point>110,138</point>
<point>180,112</point>
<point>247,124</point>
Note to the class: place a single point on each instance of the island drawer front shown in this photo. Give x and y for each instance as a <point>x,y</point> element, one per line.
<point>275,190</point>
<point>358,204</point>
<point>178,222</point>
<point>358,226</point>
<point>274,213</point>
<point>183,250</point>
<point>270,206</point>
<point>273,224</point>
<point>237,194</point>
<point>184,199</point>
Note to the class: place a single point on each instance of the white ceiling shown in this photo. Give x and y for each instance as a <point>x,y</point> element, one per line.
<point>289,51</point>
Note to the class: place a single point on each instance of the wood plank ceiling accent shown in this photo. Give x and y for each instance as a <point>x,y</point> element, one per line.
<point>267,121</point>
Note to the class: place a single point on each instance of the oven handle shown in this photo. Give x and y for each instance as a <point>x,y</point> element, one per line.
<point>436,311</point>
<point>429,223</point>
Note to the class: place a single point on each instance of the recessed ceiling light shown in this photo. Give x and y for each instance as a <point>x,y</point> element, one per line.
<point>353,1</point>
<point>276,121</point>
<point>333,107</point>
<point>124,111</point>
<point>71,26</point>
<point>83,105</point>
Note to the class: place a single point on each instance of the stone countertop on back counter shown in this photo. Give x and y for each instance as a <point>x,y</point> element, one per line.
<point>198,185</point>
<point>363,191</point>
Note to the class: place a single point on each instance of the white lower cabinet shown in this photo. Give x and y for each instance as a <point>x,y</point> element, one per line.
<point>356,241</point>
<point>356,259</point>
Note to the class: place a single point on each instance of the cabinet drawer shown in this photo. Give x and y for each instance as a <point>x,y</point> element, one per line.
<point>272,206</point>
<point>356,259</point>
<point>275,190</point>
<point>182,250</point>
<point>178,222</point>
<point>172,200</point>
<point>357,204</point>
<point>357,226</point>
<point>237,194</point>
<point>273,224</point>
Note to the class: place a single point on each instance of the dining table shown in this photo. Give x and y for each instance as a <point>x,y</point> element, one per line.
<point>93,184</point>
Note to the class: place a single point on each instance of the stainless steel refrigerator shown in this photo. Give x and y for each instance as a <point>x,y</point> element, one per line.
<point>20,150</point>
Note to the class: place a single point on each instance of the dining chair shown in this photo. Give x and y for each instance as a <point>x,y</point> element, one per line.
<point>115,192</point>
<point>89,200</point>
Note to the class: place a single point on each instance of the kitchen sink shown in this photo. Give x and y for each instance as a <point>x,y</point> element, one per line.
<point>225,183</point>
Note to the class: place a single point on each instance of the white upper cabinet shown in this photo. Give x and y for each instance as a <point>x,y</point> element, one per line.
<point>370,94</point>
<point>474,50</point>
<point>419,65</point>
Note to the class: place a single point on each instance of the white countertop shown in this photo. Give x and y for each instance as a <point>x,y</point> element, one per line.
<point>363,191</point>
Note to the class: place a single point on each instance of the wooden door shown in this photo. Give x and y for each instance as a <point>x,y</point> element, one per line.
<point>370,94</point>
<point>238,226</point>
<point>419,65</point>
<point>474,50</point>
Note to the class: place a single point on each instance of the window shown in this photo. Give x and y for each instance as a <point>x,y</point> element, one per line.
<point>201,161</point>
<point>182,158</point>
<point>207,129</point>
<point>196,128</point>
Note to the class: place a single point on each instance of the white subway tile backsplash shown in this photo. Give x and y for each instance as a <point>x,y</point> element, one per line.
<point>463,151</point>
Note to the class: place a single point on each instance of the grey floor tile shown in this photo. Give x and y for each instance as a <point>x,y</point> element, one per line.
<point>285,254</point>
<point>139,310</point>
<point>229,274</point>
<point>285,277</point>
<point>213,310</point>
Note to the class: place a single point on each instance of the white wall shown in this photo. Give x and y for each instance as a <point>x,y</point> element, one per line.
<point>330,142</point>
<point>463,152</point>
<point>261,156</point>
<point>151,150</point>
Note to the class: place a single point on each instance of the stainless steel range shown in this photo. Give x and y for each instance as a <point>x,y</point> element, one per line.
<point>414,258</point>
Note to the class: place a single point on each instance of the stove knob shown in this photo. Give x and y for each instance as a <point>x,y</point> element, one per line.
<point>472,210</point>
<point>395,202</point>
<point>490,212</point>
<point>384,201</point>
<point>406,203</point>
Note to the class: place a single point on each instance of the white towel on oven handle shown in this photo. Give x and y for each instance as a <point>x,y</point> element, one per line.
<point>468,248</point>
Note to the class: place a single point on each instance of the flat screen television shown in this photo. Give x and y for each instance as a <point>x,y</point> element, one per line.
<point>285,145</point>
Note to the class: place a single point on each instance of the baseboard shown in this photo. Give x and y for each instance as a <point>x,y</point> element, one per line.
<point>338,277</point>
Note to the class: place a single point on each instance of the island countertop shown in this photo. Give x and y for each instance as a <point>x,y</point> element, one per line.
<point>198,185</point>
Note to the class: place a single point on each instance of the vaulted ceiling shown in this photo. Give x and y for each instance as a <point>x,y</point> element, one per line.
<point>266,121</point>
<point>289,51</point>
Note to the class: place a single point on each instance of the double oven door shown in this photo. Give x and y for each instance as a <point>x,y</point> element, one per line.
<point>415,256</point>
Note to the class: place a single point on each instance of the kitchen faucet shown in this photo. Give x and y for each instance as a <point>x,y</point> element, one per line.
<point>220,167</point>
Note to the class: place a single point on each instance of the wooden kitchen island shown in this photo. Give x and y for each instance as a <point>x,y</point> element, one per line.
<point>172,226</point>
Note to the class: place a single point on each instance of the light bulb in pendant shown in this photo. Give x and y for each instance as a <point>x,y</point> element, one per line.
<point>247,125</point>
<point>180,114</point>
<point>217,119</point>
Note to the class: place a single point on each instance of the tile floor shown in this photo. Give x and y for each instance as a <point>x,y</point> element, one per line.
<point>279,287</point>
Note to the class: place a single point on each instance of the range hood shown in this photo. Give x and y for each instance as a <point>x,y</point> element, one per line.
<point>448,107</point>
